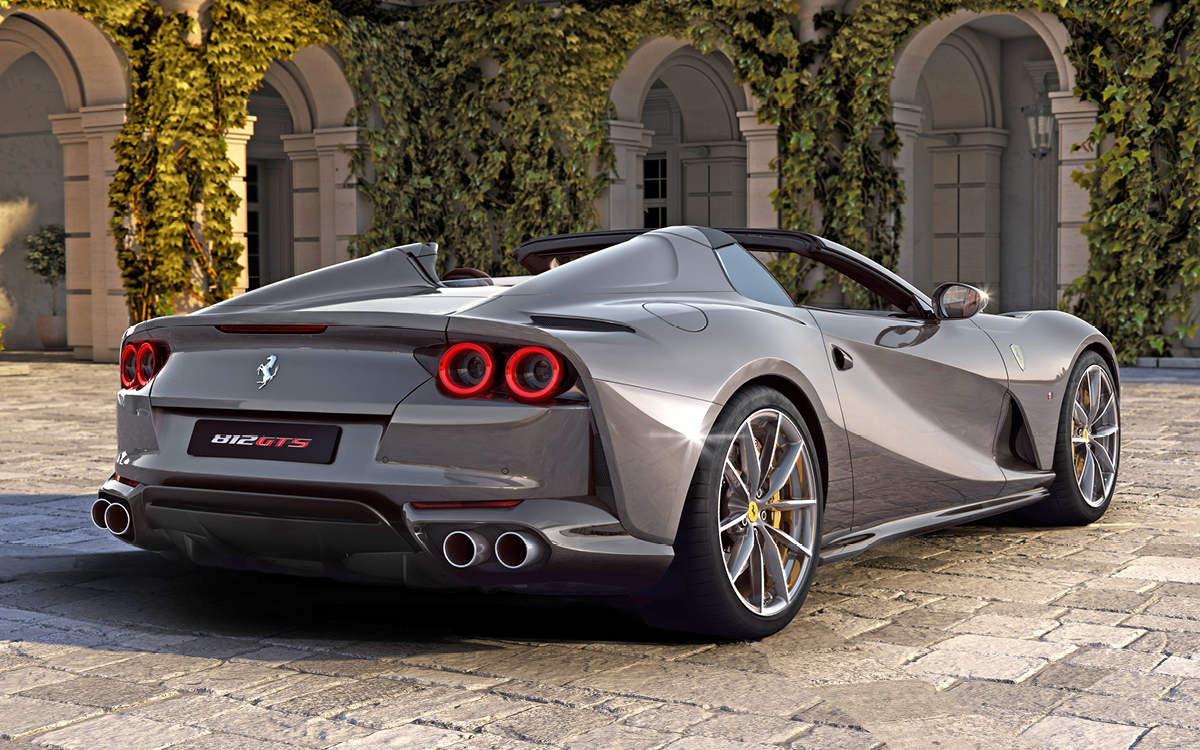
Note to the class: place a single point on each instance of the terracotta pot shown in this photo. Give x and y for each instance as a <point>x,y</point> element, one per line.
<point>52,330</point>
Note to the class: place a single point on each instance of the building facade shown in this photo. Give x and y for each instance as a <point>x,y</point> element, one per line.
<point>981,207</point>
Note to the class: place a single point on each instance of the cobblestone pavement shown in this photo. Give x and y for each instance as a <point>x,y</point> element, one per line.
<point>985,636</point>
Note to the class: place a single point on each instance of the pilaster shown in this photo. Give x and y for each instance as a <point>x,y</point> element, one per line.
<point>762,179</point>
<point>235,145</point>
<point>907,118</point>
<point>1074,119</point>
<point>621,206</point>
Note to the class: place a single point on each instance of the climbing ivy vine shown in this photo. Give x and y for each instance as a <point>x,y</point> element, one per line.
<point>172,196</point>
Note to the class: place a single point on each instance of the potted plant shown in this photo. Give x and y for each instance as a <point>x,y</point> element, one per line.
<point>47,257</point>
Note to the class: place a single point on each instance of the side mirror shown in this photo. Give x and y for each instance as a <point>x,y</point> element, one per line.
<point>955,300</point>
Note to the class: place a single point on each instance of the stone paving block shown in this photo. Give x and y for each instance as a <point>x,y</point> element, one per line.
<point>1070,676</point>
<point>541,693</point>
<point>1105,599</point>
<point>98,692</point>
<point>1144,713</point>
<point>1173,665</point>
<point>291,686</point>
<point>835,738</point>
<point>958,732</point>
<point>1085,634</point>
<point>889,653</point>
<point>1094,617</point>
<point>748,728</point>
<point>1170,624</point>
<point>980,588</point>
<point>1023,610</point>
<point>558,666</point>
<point>1134,685</point>
<point>873,608</point>
<point>492,742</point>
<point>466,656</point>
<point>1006,627</point>
<point>974,665</point>
<point>1006,646</point>
<point>617,737</point>
<point>906,636</point>
<point>22,679</point>
<point>927,617</point>
<point>230,742</point>
<point>87,659</point>
<point>707,687</point>
<point>337,665</point>
<point>1069,733</point>
<point>261,724</point>
<point>272,656</point>
<point>116,730</point>
<point>470,715</point>
<point>21,716</point>
<point>342,698</point>
<point>185,709</point>
<point>621,707</point>
<point>225,679</point>
<point>1111,658</point>
<point>1185,607</point>
<point>410,707</point>
<point>1173,644</point>
<point>893,700</point>
<point>1186,690</point>
<point>408,737</point>
<point>711,743</point>
<point>152,667</point>
<point>1155,568</point>
<point>424,676</point>
<point>845,624</point>
<point>838,667</point>
<point>10,662</point>
<point>545,724</point>
<point>1178,589</point>
<point>669,717</point>
<point>1169,738</point>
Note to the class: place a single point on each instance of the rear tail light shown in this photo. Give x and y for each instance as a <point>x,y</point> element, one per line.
<point>467,370</point>
<point>141,361</point>
<point>534,374</point>
<point>529,374</point>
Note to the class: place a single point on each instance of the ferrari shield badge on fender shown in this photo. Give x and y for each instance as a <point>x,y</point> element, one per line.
<point>1016,350</point>
<point>267,371</point>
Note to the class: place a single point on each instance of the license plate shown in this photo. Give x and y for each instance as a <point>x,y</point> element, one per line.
<point>270,441</point>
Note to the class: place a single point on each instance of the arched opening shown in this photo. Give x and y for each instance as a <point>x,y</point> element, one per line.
<point>269,236</point>
<point>31,188</point>
<point>982,208</point>
<point>694,171</point>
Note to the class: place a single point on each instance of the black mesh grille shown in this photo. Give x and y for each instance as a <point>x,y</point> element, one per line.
<point>1022,446</point>
<point>577,324</point>
<point>601,477</point>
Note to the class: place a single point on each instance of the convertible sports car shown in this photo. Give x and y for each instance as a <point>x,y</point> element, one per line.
<point>656,417</point>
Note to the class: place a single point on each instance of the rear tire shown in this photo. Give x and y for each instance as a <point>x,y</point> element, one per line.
<point>1087,450</point>
<point>746,550</point>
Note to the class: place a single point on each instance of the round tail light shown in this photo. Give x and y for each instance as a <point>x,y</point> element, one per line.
<point>147,363</point>
<point>129,367</point>
<point>535,374</point>
<point>467,370</point>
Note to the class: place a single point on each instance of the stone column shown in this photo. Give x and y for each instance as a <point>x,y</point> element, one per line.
<point>907,118</point>
<point>762,146</point>
<point>77,222</point>
<point>324,197</point>
<point>621,206</point>
<point>235,141</point>
<point>1074,119</point>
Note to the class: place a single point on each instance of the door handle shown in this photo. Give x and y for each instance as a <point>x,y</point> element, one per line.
<point>841,359</point>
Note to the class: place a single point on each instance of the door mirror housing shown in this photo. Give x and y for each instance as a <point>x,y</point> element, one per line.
<point>955,300</point>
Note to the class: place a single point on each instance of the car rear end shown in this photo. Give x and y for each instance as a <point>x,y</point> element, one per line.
<point>369,446</point>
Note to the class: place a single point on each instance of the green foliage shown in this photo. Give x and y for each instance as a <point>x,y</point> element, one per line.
<point>483,121</point>
<point>172,197</point>
<point>46,255</point>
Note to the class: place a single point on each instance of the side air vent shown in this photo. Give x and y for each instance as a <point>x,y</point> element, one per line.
<point>577,324</point>
<point>1020,444</point>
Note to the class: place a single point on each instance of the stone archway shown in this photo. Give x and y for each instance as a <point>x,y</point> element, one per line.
<point>981,208</point>
<point>688,113</point>
<point>90,76</point>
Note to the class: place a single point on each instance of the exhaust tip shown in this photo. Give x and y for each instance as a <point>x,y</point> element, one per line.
<point>98,509</point>
<point>465,548</point>
<point>517,549</point>
<point>117,519</point>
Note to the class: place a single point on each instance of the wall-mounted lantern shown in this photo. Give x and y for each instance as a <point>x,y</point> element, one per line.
<point>1041,126</point>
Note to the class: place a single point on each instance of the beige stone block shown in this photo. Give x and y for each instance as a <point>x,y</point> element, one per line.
<point>945,210</point>
<point>972,260</point>
<point>307,257</point>
<point>696,178</point>
<point>79,262</point>
<point>760,212</point>
<point>1072,254</point>
<point>1072,199</point>
<point>306,173</point>
<point>77,206</point>
<point>945,259</point>
<point>79,319</point>
<point>723,210</point>
<point>1070,133</point>
<point>723,176</point>
<point>945,169</point>
<point>75,160</point>
<point>973,168</point>
<point>307,215</point>
<point>697,210</point>
<point>992,262</point>
<point>345,202</point>
<point>972,210</point>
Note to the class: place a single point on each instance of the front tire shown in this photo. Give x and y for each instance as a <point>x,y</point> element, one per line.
<point>1087,451</point>
<point>746,551</point>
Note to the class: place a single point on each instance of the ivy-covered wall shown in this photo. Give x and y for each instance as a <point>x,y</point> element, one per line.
<point>483,125</point>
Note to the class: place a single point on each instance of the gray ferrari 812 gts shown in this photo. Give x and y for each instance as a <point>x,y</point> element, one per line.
<point>648,413</point>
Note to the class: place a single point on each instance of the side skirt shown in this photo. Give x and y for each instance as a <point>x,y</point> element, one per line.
<point>856,541</point>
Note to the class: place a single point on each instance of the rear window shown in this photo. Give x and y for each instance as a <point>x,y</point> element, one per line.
<point>750,278</point>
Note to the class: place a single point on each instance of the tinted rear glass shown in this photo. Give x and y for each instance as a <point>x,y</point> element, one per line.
<point>750,278</point>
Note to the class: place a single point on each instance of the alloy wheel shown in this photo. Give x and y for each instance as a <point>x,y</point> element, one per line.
<point>1095,435</point>
<point>769,514</point>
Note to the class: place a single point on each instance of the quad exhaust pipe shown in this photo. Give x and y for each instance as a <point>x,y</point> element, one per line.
<point>514,549</point>
<point>113,517</point>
